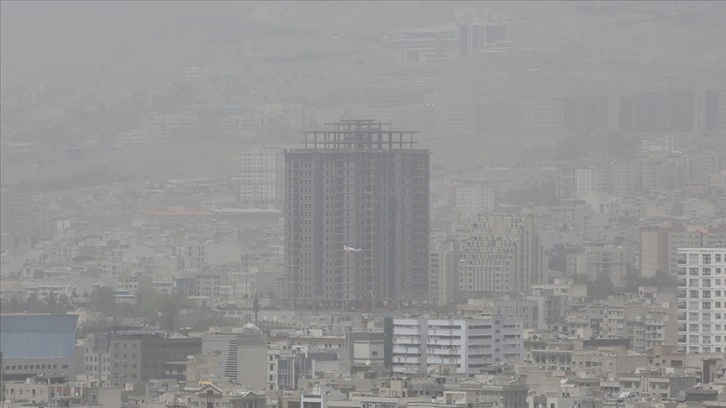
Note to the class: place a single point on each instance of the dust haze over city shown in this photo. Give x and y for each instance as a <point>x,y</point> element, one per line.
<point>328,204</point>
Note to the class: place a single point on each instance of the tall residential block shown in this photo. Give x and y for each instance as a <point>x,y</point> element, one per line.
<point>474,199</point>
<point>692,237</point>
<point>464,346</point>
<point>502,254</point>
<point>653,251</point>
<point>261,179</point>
<point>659,245</point>
<point>356,217</point>
<point>702,299</point>
<point>444,260</point>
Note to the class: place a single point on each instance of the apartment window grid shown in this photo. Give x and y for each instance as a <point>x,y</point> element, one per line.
<point>702,300</point>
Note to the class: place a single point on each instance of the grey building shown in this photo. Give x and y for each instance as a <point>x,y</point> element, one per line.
<point>356,217</point>
<point>141,355</point>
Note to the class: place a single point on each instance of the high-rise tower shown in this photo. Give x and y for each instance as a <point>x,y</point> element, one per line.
<point>356,217</point>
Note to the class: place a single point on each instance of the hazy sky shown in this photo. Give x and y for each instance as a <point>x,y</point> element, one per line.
<point>123,42</point>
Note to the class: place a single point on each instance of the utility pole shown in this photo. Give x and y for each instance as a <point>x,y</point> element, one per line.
<point>256,307</point>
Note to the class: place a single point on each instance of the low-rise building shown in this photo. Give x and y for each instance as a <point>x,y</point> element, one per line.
<point>464,346</point>
<point>142,355</point>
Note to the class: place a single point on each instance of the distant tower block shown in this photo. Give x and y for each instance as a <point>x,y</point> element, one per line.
<point>356,218</point>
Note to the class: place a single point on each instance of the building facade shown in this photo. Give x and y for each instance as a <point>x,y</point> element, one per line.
<point>141,355</point>
<point>242,355</point>
<point>33,344</point>
<point>502,254</point>
<point>356,217</point>
<point>474,199</point>
<point>444,260</point>
<point>702,300</point>
<point>261,179</point>
<point>464,346</point>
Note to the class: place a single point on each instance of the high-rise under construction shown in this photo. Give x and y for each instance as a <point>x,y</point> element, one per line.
<point>356,218</point>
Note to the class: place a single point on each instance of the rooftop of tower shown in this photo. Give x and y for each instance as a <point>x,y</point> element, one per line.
<point>358,134</point>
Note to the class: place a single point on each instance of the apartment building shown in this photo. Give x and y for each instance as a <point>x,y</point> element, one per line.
<point>573,182</point>
<point>474,199</point>
<point>465,346</point>
<point>96,356</point>
<point>692,237</point>
<point>261,179</point>
<point>356,217</point>
<point>702,299</point>
<point>141,355</point>
<point>444,260</point>
<point>611,261</point>
<point>424,44</point>
<point>502,254</point>
<point>653,251</point>
<point>242,355</point>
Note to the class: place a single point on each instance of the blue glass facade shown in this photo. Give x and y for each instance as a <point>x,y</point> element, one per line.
<point>38,336</point>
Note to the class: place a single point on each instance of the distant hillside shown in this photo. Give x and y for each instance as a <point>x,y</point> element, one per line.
<point>123,46</point>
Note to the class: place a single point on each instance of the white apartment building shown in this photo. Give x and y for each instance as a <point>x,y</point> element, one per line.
<point>475,199</point>
<point>702,299</point>
<point>503,253</point>
<point>243,283</point>
<point>424,44</point>
<point>462,346</point>
<point>693,237</point>
<point>573,182</point>
<point>261,179</point>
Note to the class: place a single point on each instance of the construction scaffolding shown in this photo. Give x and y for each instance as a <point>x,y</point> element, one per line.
<point>365,134</point>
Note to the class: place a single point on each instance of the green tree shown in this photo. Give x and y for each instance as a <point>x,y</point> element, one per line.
<point>33,304</point>
<point>601,287</point>
<point>161,308</point>
<point>102,300</point>
<point>51,304</point>
<point>93,326</point>
<point>661,280</point>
